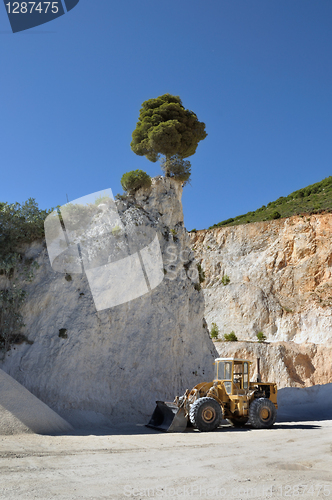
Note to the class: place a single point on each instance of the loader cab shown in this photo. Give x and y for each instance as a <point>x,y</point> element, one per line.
<point>234,373</point>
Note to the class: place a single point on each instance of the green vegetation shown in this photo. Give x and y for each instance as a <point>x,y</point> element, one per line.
<point>19,224</point>
<point>225,280</point>
<point>120,197</point>
<point>176,167</point>
<point>135,179</point>
<point>316,198</point>
<point>12,296</point>
<point>201,273</point>
<point>261,337</point>
<point>214,332</point>
<point>275,215</point>
<point>116,230</point>
<point>165,128</point>
<point>102,198</point>
<point>230,337</point>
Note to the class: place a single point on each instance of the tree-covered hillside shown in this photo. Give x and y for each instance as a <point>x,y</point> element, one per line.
<point>316,198</point>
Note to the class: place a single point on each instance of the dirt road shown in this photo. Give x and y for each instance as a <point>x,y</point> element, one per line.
<point>291,460</point>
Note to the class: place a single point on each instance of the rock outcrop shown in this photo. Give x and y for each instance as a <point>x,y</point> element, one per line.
<point>280,276</point>
<point>286,363</point>
<point>117,361</point>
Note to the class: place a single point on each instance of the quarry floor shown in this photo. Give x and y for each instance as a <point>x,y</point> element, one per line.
<point>293,459</point>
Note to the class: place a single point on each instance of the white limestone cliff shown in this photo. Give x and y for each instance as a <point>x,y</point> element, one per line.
<point>117,361</point>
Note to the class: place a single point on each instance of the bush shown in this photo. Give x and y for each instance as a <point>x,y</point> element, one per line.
<point>260,337</point>
<point>135,179</point>
<point>102,199</point>
<point>275,215</point>
<point>230,337</point>
<point>20,224</point>
<point>225,280</point>
<point>214,331</point>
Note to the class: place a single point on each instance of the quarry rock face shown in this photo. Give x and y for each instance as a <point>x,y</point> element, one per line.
<point>280,278</point>
<point>286,363</point>
<point>111,365</point>
<point>117,361</point>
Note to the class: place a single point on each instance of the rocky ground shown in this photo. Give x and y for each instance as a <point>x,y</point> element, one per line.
<point>293,459</point>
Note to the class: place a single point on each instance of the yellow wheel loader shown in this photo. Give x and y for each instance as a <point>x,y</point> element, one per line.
<point>230,396</point>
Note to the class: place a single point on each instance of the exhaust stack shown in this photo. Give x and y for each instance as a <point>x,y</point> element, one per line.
<point>258,373</point>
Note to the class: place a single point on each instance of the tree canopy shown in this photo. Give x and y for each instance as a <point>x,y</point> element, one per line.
<point>165,127</point>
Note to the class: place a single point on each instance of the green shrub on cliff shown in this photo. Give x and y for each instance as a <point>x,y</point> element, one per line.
<point>230,337</point>
<point>214,332</point>
<point>20,224</point>
<point>261,337</point>
<point>225,280</point>
<point>135,179</point>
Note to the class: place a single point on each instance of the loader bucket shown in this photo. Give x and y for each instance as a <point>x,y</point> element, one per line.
<point>168,417</point>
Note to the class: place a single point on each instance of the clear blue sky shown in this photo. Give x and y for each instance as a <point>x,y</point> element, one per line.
<point>258,73</point>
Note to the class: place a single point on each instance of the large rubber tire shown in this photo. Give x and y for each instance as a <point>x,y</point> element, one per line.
<point>262,413</point>
<point>205,414</point>
<point>238,422</point>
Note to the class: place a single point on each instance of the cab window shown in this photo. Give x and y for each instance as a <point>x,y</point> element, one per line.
<point>220,370</point>
<point>228,371</point>
<point>245,376</point>
<point>223,371</point>
<point>228,387</point>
